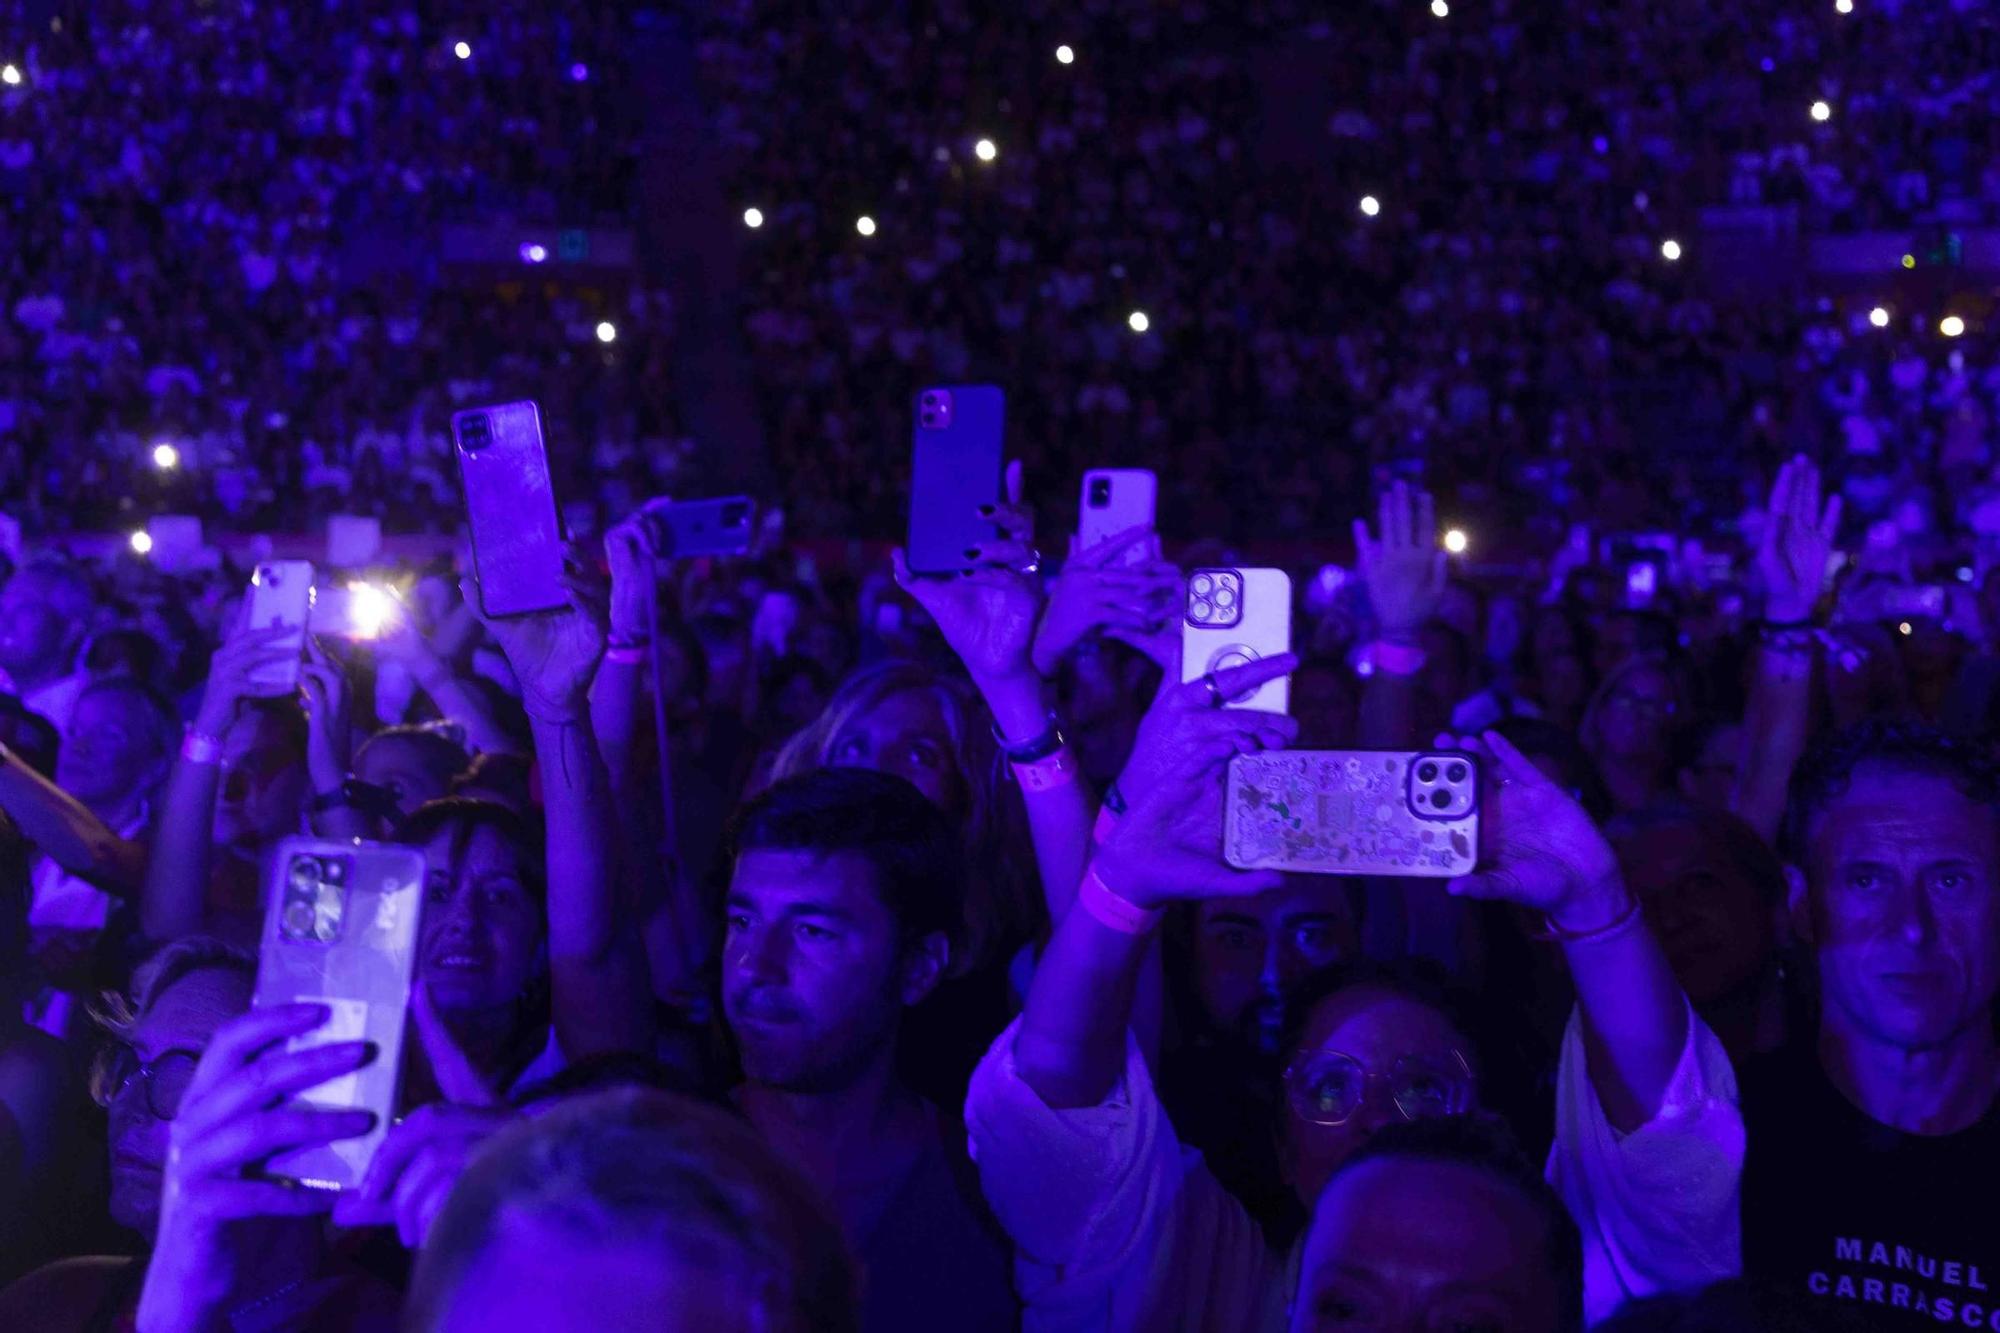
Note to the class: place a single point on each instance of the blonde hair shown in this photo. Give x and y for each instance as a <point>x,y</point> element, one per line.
<point>1002,909</point>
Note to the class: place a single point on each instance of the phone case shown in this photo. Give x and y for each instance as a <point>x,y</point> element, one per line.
<point>281,598</point>
<point>340,929</point>
<point>1411,813</point>
<point>1116,500</point>
<point>680,529</point>
<point>954,469</point>
<point>1233,617</point>
<point>510,503</point>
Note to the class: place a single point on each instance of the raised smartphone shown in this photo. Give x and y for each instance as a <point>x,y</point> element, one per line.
<point>281,598</point>
<point>1114,501</point>
<point>1233,617</point>
<point>1402,813</point>
<point>954,469</point>
<point>340,929</point>
<point>510,505</point>
<point>684,528</point>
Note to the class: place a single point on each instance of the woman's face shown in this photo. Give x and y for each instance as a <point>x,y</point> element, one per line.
<point>397,765</point>
<point>1637,716</point>
<point>482,933</point>
<point>905,735</point>
<point>1379,1031</point>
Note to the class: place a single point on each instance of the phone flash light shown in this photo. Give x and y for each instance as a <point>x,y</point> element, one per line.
<point>12,76</point>
<point>1951,326</point>
<point>1440,8</point>
<point>1879,317</point>
<point>142,542</point>
<point>373,609</point>
<point>1821,111</point>
<point>753,218</point>
<point>607,332</point>
<point>1064,56</point>
<point>1137,319</point>
<point>165,457</point>
<point>462,50</point>
<point>1370,205</point>
<point>1671,250</point>
<point>1843,6</point>
<point>1904,628</point>
<point>531,253</point>
<point>985,151</point>
<point>865,225</point>
<point>1455,541</point>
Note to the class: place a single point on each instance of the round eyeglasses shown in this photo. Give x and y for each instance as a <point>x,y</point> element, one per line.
<point>165,1079</point>
<point>1328,1087</point>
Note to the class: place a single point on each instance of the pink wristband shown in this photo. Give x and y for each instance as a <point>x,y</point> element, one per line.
<point>1398,659</point>
<point>1119,914</point>
<point>1058,770</point>
<point>197,748</point>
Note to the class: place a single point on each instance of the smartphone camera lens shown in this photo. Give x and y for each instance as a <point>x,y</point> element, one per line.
<point>1100,492</point>
<point>305,873</point>
<point>1427,773</point>
<point>1225,596</point>
<point>475,433</point>
<point>1441,798</point>
<point>1456,773</point>
<point>1202,586</point>
<point>1201,613</point>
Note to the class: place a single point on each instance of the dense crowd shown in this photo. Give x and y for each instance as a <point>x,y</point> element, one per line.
<point>811,943</point>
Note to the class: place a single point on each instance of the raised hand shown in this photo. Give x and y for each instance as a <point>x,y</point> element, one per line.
<point>234,1118</point>
<point>1168,843</point>
<point>232,671</point>
<point>1798,542</point>
<point>554,655</point>
<point>988,615</point>
<point>1402,564</point>
<point>1098,593</point>
<point>1539,849</point>
<point>329,729</point>
<point>628,550</point>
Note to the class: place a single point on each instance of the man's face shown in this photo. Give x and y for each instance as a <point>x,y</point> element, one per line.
<point>263,785</point>
<point>1402,1246</point>
<point>814,972</point>
<point>1710,917</point>
<point>1901,901</point>
<point>33,633</point>
<point>169,1036</point>
<point>1250,952</point>
<point>112,751</point>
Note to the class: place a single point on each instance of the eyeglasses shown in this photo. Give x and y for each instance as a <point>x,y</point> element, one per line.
<point>1328,1087</point>
<point>166,1079</point>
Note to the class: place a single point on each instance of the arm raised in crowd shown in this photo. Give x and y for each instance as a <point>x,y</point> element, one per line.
<point>1792,561</point>
<point>174,900</point>
<point>329,746</point>
<point>1070,1048</point>
<point>1403,567</point>
<point>602,997</point>
<point>63,829</point>
<point>988,616</point>
<point>431,671</point>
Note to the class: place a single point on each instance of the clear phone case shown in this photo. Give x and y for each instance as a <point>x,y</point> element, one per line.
<point>340,929</point>
<point>1411,813</point>
<point>1234,617</point>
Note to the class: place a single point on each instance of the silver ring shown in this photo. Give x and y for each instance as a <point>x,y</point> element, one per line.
<point>1214,690</point>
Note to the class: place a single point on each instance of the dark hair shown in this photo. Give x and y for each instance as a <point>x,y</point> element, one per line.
<point>496,771</point>
<point>163,720</point>
<point>125,651</point>
<point>1742,844</point>
<point>1735,1306</point>
<point>1485,1144</point>
<point>696,1185</point>
<point>908,842</point>
<point>465,817</point>
<point>1415,980</point>
<point>438,752</point>
<point>1902,747</point>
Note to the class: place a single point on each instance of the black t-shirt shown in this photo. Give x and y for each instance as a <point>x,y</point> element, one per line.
<point>1903,1229</point>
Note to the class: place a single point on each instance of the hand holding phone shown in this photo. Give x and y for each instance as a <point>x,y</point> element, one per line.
<point>1234,617</point>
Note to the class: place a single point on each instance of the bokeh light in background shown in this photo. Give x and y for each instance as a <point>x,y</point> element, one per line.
<point>1951,326</point>
<point>1138,321</point>
<point>1065,56</point>
<point>1670,250</point>
<point>165,457</point>
<point>1440,8</point>
<point>462,50</point>
<point>1370,205</point>
<point>985,151</point>
<point>1455,541</point>
<point>10,76</point>
<point>141,542</point>
<point>1821,111</point>
<point>1879,317</point>
<point>865,225</point>
<point>607,332</point>
<point>753,218</point>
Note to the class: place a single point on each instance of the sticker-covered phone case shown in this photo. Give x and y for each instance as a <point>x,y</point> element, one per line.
<point>341,923</point>
<point>1353,812</point>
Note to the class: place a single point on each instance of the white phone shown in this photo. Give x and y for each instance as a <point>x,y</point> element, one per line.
<point>1114,501</point>
<point>1234,617</point>
<point>281,598</point>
